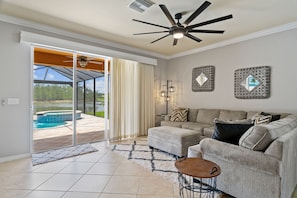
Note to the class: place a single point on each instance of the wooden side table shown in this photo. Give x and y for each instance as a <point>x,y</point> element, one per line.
<point>196,177</point>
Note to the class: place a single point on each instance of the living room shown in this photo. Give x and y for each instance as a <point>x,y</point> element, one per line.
<point>274,47</point>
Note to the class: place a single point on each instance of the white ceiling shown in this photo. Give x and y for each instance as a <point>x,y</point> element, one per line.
<point>111,20</point>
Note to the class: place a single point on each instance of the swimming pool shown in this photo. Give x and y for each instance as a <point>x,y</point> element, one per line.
<point>46,119</point>
<point>37,125</point>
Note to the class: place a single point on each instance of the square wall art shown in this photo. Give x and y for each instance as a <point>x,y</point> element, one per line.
<point>203,78</point>
<point>252,83</point>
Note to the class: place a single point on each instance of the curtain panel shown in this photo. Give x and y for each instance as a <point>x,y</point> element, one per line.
<point>132,105</point>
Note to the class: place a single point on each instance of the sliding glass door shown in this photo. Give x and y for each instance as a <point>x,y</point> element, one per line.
<point>69,98</point>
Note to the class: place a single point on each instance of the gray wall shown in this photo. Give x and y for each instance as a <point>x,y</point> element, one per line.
<point>277,50</point>
<point>14,83</point>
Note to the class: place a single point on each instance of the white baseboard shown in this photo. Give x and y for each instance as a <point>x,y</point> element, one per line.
<point>14,157</point>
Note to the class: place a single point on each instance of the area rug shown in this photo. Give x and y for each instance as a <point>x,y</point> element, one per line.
<point>57,154</point>
<point>153,159</point>
<point>157,161</point>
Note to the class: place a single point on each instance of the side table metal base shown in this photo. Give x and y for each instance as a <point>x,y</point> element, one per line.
<point>191,187</point>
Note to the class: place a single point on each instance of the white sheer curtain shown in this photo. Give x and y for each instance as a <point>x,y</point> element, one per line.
<point>132,107</point>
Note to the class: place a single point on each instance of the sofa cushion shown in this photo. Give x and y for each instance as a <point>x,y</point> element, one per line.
<point>172,124</point>
<point>207,115</point>
<point>179,115</point>
<point>195,126</point>
<point>259,137</point>
<point>192,115</point>
<point>230,133</point>
<point>232,115</point>
<point>208,131</point>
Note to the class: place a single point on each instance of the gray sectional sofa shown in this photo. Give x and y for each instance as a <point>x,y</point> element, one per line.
<point>264,164</point>
<point>202,120</point>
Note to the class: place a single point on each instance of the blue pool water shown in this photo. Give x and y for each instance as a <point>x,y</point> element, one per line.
<point>48,119</point>
<point>47,125</point>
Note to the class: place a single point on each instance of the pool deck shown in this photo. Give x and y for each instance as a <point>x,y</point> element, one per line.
<point>89,129</point>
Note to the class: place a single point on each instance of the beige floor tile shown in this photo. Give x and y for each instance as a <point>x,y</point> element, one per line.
<point>45,194</point>
<point>13,193</point>
<point>24,165</point>
<point>123,184</point>
<point>103,168</point>
<point>112,157</point>
<point>154,196</point>
<point>91,183</point>
<point>60,182</point>
<point>51,167</point>
<point>81,195</point>
<point>155,186</point>
<point>91,157</point>
<point>77,167</point>
<point>129,168</point>
<point>105,195</point>
<point>25,180</point>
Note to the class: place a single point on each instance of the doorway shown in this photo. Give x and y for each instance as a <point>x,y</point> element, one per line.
<point>70,91</point>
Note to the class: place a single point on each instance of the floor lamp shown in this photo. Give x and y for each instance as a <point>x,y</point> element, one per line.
<point>166,91</point>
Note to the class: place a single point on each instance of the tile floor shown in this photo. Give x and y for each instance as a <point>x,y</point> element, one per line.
<point>102,174</point>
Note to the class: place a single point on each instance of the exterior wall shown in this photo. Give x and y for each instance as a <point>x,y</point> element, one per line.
<point>276,50</point>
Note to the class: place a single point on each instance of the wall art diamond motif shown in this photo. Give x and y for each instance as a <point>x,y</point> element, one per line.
<point>203,78</point>
<point>252,83</point>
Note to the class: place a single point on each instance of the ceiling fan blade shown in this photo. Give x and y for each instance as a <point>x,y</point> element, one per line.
<point>193,37</point>
<point>208,31</point>
<point>95,62</point>
<point>150,32</point>
<point>175,41</point>
<point>150,23</point>
<point>209,22</point>
<point>197,12</point>
<point>160,38</point>
<point>167,13</point>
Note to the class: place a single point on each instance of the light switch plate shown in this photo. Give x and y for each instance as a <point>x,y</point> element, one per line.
<point>13,101</point>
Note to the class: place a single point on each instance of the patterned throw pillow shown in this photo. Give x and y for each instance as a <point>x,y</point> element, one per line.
<point>179,115</point>
<point>262,119</point>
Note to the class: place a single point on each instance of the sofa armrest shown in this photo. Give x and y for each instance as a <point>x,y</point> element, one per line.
<point>237,155</point>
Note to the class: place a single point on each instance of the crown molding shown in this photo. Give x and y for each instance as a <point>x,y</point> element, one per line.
<point>281,28</point>
<point>101,42</point>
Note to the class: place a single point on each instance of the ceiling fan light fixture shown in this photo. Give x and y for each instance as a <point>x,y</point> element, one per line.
<point>83,63</point>
<point>178,33</point>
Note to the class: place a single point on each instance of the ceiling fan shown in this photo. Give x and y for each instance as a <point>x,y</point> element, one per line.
<point>84,60</point>
<point>179,30</point>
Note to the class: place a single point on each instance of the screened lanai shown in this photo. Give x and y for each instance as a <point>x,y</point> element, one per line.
<point>57,75</point>
<point>52,67</point>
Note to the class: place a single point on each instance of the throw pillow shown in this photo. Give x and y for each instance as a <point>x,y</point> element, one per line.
<point>262,119</point>
<point>274,116</point>
<point>230,133</point>
<point>179,115</point>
